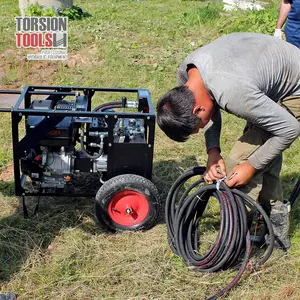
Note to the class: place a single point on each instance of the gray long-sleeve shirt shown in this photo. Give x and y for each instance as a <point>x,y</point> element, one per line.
<point>246,74</point>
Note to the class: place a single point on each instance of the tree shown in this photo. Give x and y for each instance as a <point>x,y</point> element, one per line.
<point>23,4</point>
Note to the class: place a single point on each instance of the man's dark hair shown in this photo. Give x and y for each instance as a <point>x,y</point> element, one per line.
<point>175,113</point>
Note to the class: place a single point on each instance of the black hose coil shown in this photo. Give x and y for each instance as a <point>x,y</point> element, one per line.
<point>183,218</point>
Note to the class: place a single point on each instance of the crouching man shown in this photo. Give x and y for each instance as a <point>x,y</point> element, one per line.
<point>252,76</point>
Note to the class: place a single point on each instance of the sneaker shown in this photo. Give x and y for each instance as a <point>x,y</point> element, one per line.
<point>280,219</point>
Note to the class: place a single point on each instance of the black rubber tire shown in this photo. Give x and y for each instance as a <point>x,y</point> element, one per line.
<point>127,182</point>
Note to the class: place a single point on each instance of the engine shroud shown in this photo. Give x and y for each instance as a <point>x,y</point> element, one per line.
<point>63,133</point>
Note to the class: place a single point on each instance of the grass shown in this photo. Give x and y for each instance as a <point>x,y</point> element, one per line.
<point>62,253</point>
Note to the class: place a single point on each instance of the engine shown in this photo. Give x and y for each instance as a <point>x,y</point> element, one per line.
<point>75,144</point>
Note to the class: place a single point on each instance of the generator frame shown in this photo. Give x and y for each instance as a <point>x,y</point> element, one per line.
<point>120,158</point>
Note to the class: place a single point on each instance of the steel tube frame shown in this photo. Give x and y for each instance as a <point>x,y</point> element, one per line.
<point>116,151</point>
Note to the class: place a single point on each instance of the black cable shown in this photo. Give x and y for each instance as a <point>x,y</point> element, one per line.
<point>113,104</point>
<point>184,213</point>
<point>295,193</point>
<point>83,149</point>
<point>25,211</point>
<point>48,165</point>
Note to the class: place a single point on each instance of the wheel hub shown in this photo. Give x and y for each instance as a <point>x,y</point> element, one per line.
<point>128,208</point>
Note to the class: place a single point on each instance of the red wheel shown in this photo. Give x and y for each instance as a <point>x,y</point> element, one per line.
<point>128,208</point>
<point>128,202</point>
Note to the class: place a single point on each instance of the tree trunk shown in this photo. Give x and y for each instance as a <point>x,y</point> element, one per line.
<point>23,4</point>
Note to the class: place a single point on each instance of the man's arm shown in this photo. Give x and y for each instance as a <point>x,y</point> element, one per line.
<point>285,8</point>
<point>215,168</point>
<point>270,116</point>
<point>212,130</point>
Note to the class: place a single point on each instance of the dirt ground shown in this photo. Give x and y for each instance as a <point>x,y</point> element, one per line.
<point>15,69</point>
<point>8,173</point>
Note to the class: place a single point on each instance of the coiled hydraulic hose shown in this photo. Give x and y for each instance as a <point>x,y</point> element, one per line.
<point>183,216</point>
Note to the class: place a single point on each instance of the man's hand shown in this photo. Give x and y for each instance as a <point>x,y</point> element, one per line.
<point>278,33</point>
<point>215,168</point>
<point>240,175</point>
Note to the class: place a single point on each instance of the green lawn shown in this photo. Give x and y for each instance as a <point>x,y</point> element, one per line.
<point>62,253</point>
